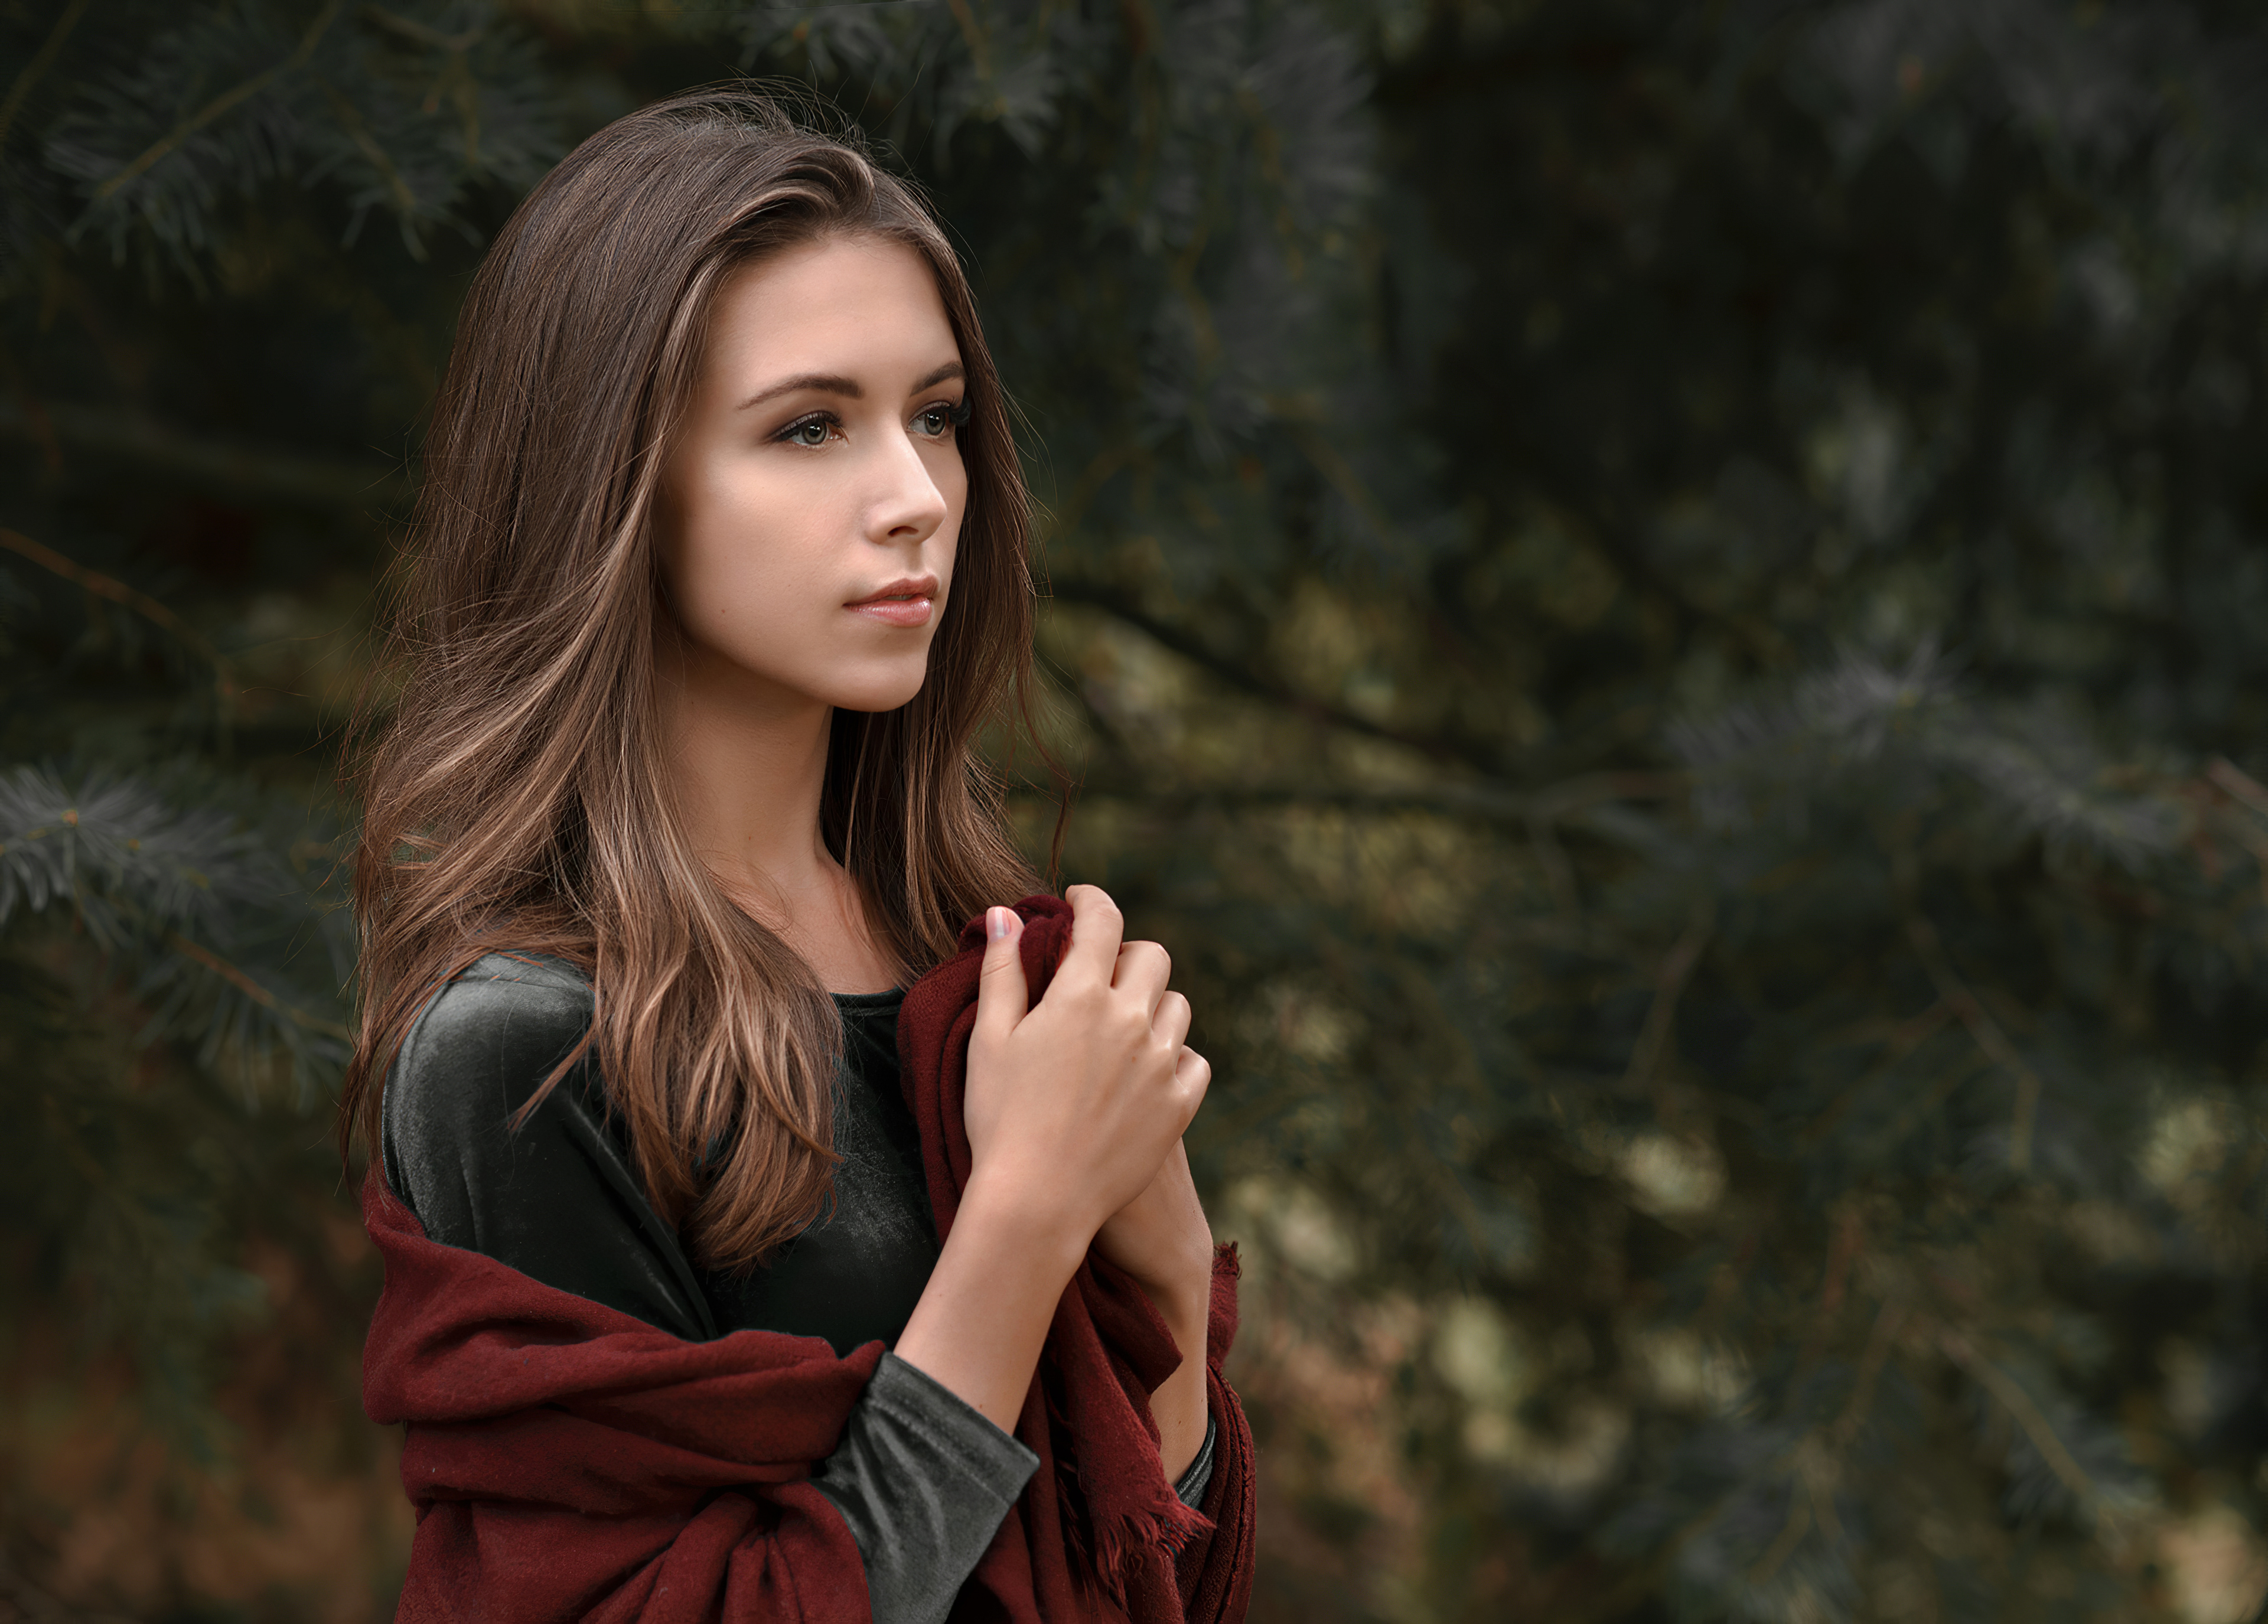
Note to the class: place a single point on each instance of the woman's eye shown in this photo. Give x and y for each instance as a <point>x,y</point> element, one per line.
<point>812,431</point>
<point>934,420</point>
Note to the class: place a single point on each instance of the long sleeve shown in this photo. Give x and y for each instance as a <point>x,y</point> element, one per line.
<point>923,1480</point>
<point>1191,1485</point>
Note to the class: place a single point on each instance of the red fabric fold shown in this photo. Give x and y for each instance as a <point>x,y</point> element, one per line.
<point>1102,1533</point>
<point>567,1461</point>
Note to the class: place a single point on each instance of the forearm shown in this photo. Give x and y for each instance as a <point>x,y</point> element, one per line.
<point>1162,1241</point>
<point>980,1324</point>
<point>1179,1404</point>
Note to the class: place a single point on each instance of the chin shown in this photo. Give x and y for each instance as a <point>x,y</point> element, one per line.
<point>882,693</point>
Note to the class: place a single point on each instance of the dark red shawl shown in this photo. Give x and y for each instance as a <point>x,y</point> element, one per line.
<point>568,1462</point>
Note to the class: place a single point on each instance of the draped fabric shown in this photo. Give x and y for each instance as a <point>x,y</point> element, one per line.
<point>568,1461</point>
<point>1098,1531</point>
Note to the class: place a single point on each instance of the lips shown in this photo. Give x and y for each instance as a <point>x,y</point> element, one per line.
<point>909,602</point>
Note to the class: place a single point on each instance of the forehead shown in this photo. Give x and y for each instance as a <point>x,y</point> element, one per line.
<point>859,307</point>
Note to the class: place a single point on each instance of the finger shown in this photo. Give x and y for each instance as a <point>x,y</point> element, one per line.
<point>1144,967</point>
<point>1171,1023</point>
<point>1002,999</point>
<point>1097,927</point>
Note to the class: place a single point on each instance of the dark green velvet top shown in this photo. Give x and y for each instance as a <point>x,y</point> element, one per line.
<point>559,1200</point>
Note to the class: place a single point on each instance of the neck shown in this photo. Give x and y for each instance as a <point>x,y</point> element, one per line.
<point>748,759</point>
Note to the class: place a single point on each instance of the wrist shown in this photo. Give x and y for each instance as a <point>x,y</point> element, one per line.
<point>1022,1219</point>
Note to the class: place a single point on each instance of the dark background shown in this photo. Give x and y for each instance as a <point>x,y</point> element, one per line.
<point>1660,603</point>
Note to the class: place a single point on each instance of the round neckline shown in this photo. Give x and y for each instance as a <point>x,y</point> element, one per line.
<point>869,1001</point>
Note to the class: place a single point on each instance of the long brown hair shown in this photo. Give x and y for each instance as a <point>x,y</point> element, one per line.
<point>515,798</point>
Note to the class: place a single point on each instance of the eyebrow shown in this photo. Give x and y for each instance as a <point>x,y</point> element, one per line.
<point>825,382</point>
<point>830,383</point>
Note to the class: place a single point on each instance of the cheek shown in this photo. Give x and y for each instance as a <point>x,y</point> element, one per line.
<point>743,552</point>
<point>953,485</point>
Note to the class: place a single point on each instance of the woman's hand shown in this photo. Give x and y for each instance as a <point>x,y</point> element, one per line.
<point>1072,1108</point>
<point>1073,1105</point>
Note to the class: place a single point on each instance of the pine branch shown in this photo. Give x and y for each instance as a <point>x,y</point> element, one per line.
<point>1298,417</point>
<point>1888,1322</point>
<point>2026,1413</point>
<point>1954,994</point>
<point>1790,1535</point>
<point>1245,679</point>
<point>118,593</point>
<point>980,53</point>
<point>424,33</point>
<point>2240,785</point>
<point>224,103</point>
<point>410,115</point>
<point>398,189</point>
<point>258,470</point>
<point>1902,1040</point>
<point>1551,804</point>
<point>243,983</point>
<point>1654,1039</point>
<point>159,890</point>
<point>41,61</point>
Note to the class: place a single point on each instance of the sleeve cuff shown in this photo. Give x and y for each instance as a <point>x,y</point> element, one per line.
<point>1189,1487</point>
<point>920,1403</point>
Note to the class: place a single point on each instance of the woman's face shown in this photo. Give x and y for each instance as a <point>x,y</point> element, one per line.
<point>814,498</point>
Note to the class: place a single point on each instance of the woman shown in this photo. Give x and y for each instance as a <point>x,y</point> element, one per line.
<point>720,564</point>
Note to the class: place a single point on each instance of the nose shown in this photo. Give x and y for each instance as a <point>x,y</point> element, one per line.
<point>907,506</point>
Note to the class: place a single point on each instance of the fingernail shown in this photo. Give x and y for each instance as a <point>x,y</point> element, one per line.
<point>996,924</point>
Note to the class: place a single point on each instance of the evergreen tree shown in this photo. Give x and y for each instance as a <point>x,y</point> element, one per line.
<point>229,238</point>
<point>1653,601</point>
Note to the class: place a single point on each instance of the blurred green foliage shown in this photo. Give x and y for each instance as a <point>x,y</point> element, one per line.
<point>1658,602</point>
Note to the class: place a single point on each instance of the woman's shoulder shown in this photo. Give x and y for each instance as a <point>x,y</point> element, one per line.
<point>522,977</point>
<point>509,1018</point>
